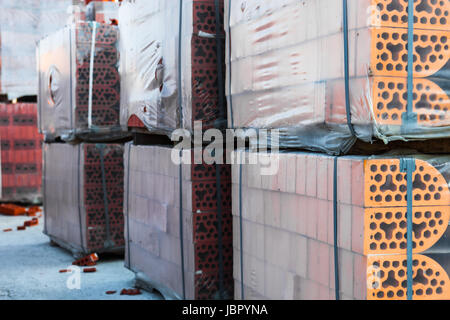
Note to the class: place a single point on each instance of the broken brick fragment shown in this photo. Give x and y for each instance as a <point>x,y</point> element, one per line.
<point>90,270</point>
<point>7,230</point>
<point>88,261</point>
<point>130,292</point>
<point>111,292</point>
<point>12,210</point>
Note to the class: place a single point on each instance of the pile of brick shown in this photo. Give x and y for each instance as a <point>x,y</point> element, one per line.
<point>288,228</point>
<point>83,196</point>
<point>152,211</point>
<point>96,104</point>
<point>21,153</point>
<point>199,264</point>
<point>79,102</point>
<point>283,75</point>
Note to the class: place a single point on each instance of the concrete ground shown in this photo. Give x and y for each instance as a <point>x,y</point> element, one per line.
<point>29,269</point>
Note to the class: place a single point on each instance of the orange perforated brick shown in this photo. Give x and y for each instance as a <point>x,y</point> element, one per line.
<point>386,228</point>
<point>431,103</point>
<point>386,185</point>
<point>389,54</point>
<point>430,15</point>
<point>387,278</point>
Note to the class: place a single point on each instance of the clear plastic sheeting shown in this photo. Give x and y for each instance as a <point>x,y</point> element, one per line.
<point>286,71</point>
<point>103,12</point>
<point>166,86</point>
<point>79,84</point>
<point>22,24</point>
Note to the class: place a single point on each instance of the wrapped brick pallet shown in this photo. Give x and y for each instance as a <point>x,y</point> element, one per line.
<point>199,266</point>
<point>79,84</point>
<point>288,223</point>
<point>171,73</point>
<point>21,154</point>
<point>287,70</point>
<point>83,196</point>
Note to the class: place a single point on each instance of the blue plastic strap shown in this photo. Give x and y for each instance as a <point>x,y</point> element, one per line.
<point>409,166</point>
<point>335,230</point>
<point>181,225</point>
<point>347,69</point>
<point>220,60</point>
<point>79,197</point>
<point>219,231</point>
<point>180,86</point>
<point>128,206</point>
<point>240,232</point>
<point>108,243</point>
<point>230,100</point>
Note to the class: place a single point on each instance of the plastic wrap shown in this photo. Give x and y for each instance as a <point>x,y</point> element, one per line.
<point>103,12</point>
<point>152,214</point>
<point>21,154</point>
<point>165,86</point>
<point>23,23</point>
<point>286,71</point>
<point>79,84</point>
<point>83,196</point>
<point>287,222</point>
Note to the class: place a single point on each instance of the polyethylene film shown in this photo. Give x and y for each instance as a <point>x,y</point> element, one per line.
<point>168,83</point>
<point>79,82</point>
<point>286,71</point>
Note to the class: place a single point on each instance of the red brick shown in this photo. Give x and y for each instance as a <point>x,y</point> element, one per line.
<point>346,272</point>
<point>312,217</point>
<point>298,255</point>
<point>291,173</point>
<point>325,293</point>
<point>311,176</point>
<point>345,181</point>
<point>358,230</point>
<point>289,212</point>
<point>301,175</point>
<point>302,215</point>
<point>272,208</point>
<point>345,227</point>
<point>322,220</point>
<point>308,290</point>
<point>330,179</point>
<point>358,183</point>
<point>360,278</point>
<point>322,178</point>
<point>318,262</point>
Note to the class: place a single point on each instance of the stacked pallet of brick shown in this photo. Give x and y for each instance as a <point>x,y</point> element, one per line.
<point>21,153</point>
<point>79,102</point>
<point>152,213</point>
<point>159,66</point>
<point>169,81</point>
<point>78,68</point>
<point>83,196</point>
<point>287,221</point>
<point>282,74</point>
